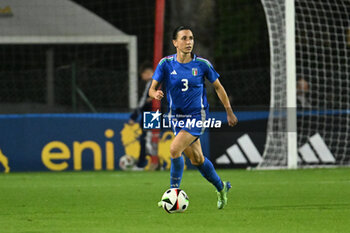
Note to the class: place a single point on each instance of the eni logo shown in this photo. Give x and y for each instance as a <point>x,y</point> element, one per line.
<point>6,11</point>
<point>5,162</point>
<point>54,154</point>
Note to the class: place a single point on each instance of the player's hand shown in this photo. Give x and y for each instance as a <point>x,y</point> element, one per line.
<point>231,119</point>
<point>159,95</point>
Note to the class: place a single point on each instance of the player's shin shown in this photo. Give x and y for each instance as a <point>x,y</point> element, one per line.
<point>208,171</point>
<point>176,170</point>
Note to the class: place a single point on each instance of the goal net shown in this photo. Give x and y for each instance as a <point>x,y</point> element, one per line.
<point>322,44</point>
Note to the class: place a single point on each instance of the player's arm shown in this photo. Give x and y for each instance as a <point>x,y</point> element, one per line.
<point>153,92</point>
<point>220,91</point>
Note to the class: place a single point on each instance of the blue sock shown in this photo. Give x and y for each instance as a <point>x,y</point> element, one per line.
<point>176,170</point>
<point>208,171</point>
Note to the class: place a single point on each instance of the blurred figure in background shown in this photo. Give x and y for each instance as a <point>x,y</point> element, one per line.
<point>145,104</point>
<point>302,93</point>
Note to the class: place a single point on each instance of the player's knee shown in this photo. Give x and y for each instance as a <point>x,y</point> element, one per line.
<point>174,152</point>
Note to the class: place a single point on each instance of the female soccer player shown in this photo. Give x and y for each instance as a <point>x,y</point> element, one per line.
<point>183,76</point>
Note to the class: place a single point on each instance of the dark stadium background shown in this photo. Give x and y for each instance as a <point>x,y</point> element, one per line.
<point>232,35</point>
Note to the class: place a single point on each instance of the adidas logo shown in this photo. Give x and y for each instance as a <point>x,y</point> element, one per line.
<point>174,72</point>
<point>319,148</point>
<point>235,153</point>
<point>244,152</point>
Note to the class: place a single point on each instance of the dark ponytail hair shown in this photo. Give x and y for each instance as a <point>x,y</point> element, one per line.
<point>180,28</point>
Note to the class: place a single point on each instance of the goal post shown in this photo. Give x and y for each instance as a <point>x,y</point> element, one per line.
<point>129,41</point>
<point>291,84</point>
<point>309,116</point>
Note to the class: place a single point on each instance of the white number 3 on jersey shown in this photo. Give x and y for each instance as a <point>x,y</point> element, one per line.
<point>185,83</point>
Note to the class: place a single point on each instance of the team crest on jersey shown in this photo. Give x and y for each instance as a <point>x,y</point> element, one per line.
<point>194,71</point>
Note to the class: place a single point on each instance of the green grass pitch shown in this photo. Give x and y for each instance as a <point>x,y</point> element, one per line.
<point>313,200</point>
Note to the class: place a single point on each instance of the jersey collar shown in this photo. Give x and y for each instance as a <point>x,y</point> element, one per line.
<point>194,57</point>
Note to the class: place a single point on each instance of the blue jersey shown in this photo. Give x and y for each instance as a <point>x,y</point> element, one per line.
<point>184,83</point>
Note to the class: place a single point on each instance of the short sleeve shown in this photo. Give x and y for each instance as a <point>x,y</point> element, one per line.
<point>211,73</point>
<point>159,72</point>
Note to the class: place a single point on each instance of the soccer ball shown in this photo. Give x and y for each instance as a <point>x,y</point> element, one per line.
<point>175,200</point>
<point>126,162</point>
